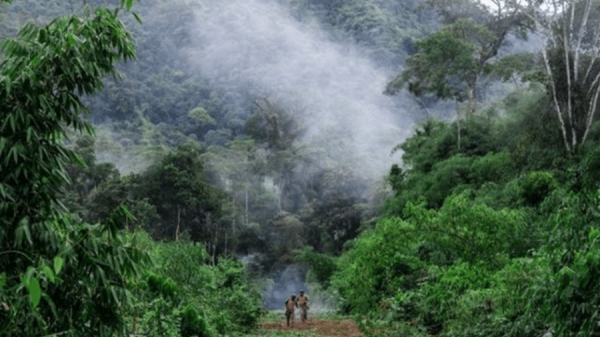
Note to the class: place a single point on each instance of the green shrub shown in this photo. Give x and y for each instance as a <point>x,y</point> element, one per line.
<point>464,231</point>
<point>441,295</point>
<point>536,186</point>
<point>160,318</point>
<point>183,295</point>
<point>322,266</point>
<point>587,174</point>
<point>493,167</point>
<point>573,296</point>
<point>193,323</point>
<point>162,285</point>
<point>182,262</point>
<point>381,262</point>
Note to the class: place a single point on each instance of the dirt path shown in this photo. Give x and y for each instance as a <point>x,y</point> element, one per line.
<point>321,327</point>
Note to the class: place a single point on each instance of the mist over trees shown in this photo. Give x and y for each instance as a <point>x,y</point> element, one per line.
<point>431,166</point>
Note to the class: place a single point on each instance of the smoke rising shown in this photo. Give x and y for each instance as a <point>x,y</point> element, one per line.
<point>288,282</point>
<point>330,87</point>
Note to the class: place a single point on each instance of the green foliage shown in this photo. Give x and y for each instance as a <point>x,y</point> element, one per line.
<point>322,266</point>
<point>160,318</point>
<point>202,300</point>
<point>527,297</point>
<point>372,326</point>
<point>492,167</point>
<point>515,64</point>
<point>201,116</point>
<point>442,291</point>
<point>531,133</point>
<point>377,267</point>
<point>537,185</point>
<point>586,175</point>
<point>170,197</point>
<point>572,292</point>
<point>470,233</point>
<point>164,286</point>
<point>61,276</point>
<point>385,29</point>
<point>449,53</point>
<point>499,309</point>
<point>504,240</point>
<point>193,323</point>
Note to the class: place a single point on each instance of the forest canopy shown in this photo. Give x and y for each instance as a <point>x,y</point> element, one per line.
<point>427,167</point>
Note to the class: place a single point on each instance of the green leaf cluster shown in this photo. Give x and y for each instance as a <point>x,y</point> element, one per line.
<point>496,237</point>
<point>60,276</point>
<point>183,294</point>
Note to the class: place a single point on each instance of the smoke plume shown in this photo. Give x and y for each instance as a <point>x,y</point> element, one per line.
<point>330,87</point>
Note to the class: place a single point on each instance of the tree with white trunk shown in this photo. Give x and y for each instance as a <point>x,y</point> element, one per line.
<point>570,62</point>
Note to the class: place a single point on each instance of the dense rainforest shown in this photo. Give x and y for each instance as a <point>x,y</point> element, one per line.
<point>179,168</point>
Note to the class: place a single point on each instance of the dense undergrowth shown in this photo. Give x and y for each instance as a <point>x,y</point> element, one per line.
<point>61,275</point>
<point>182,294</point>
<point>497,237</point>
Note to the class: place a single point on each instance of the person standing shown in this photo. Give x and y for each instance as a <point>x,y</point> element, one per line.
<point>290,307</point>
<point>302,303</point>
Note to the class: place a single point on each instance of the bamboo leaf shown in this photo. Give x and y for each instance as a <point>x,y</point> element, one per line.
<point>33,286</point>
<point>137,18</point>
<point>7,84</point>
<point>58,264</point>
<point>49,273</point>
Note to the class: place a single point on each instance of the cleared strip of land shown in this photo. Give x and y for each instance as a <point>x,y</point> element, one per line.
<point>317,325</point>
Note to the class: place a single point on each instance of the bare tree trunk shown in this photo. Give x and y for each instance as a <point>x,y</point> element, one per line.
<point>472,100</point>
<point>458,124</point>
<point>215,245</point>
<point>279,193</point>
<point>592,110</point>
<point>582,29</point>
<point>595,56</point>
<point>213,233</point>
<point>555,99</point>
<point>423,106</point>
<point>178,223</point>
<point>246,214</point>
<point>566,44</point>
<point>563,14</point>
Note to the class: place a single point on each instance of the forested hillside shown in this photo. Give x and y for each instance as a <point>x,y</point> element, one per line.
<point>176,168</point>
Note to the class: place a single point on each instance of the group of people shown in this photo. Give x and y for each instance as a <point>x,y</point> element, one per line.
<point>301,302</point>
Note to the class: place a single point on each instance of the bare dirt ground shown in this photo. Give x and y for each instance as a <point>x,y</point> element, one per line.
<point>319,327</point>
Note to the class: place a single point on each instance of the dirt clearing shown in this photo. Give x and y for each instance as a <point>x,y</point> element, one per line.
<point>318,327</point>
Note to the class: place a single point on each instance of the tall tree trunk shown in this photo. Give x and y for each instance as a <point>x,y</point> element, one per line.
<point>458,125</point>
<point>178,223</point>
<point>592,110</point>
<point>472,99</point>
<point>558,22</point>
<point>566,45</point>
<point>563,127</point>
<point>246,214</point>
<point>212,233</point>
